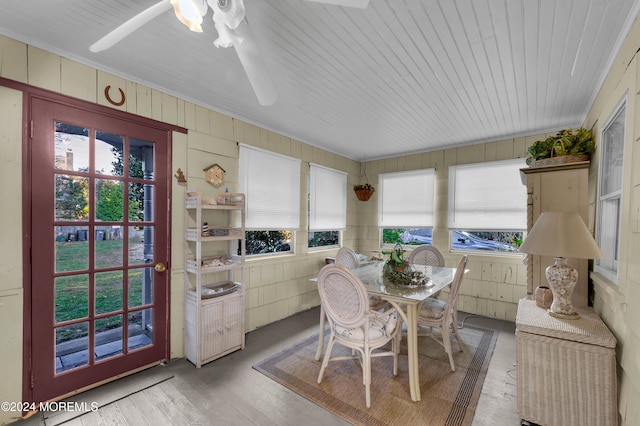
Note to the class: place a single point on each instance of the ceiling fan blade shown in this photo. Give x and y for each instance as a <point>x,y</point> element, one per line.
<point>361,4</point>
<point>254,65</point>
<point>130,26</point>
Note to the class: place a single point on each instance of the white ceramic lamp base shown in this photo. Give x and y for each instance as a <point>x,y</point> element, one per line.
<point>562,279</point>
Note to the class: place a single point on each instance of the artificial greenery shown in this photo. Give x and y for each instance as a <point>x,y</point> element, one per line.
<point>398,272</point>
<point>566,142</point>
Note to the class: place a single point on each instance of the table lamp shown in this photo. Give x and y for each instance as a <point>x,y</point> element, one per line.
<point>561,235</point>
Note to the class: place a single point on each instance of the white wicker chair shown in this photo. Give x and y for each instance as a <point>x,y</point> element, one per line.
<point>353,324</point>
<point>443,315</point>
<point>348,258</point>
<point>426,255</point>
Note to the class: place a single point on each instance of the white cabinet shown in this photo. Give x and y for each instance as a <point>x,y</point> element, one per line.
<point>214,276</point>
<point>559,188</point>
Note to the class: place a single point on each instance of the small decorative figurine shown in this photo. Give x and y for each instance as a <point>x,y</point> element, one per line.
<point>205,229</point>
<point>180,176</point>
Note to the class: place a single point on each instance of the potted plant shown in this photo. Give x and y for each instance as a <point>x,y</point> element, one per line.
<point>566,146</point>
<point>364,191</point>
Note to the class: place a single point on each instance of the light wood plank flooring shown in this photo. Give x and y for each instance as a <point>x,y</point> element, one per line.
<point>229,392</point>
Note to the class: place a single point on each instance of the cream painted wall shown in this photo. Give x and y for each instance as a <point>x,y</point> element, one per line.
<point>619,303</point>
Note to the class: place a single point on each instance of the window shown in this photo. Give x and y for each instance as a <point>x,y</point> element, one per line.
<point>327,205</point>
<point>405,206</point>
<point>487,206</point>
<point>271,183</point>
<point>610,193</point>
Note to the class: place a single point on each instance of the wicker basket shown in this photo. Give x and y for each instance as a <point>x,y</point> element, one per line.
<point>560,159</point>
<point>364,194</point>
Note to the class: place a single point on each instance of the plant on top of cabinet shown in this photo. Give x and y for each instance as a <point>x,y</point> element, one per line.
<point>567,146</point>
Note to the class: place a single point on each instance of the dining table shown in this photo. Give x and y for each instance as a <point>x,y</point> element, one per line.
<point>407,300</point>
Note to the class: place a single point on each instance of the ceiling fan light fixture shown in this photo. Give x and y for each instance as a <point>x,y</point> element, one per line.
<point>190,13</point>
<point>229,12</point>
<point>226,36</point>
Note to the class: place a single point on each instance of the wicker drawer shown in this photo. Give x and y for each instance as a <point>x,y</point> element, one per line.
<point>566,369</point>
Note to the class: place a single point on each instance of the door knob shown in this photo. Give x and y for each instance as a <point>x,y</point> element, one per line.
<point>160,267</point>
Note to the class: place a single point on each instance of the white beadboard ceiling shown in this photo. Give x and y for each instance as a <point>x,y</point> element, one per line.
<point>398,77</point>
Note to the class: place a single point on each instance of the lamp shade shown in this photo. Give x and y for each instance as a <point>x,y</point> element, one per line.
<point>561,234</point>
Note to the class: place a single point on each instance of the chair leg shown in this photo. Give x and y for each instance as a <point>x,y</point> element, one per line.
<point>455,333</point>
<point>366,371</point>
<point>446,341</point>
<point>320,335</point>
<point>327,356</point>
<point>395,347</point>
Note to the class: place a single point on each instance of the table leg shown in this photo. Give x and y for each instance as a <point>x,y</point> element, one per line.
<point>410,318</point>
<point>412,351</point>
<point>321,335</point>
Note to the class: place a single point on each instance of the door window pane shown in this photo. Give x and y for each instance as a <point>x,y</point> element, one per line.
<point>109,151</point>
<point>108,251</point>
<point>109,200</point>
<point>108,292</point>
<point>71,297</point>
<point>140,245</point>
<point>140,293</point>
<point>140,202</point>
<point>141,159</point>
<point>71,248</point>
<point>71,147</point>
<point>72,197</point>
<point>108,337</point>
<point>72,346</point>
<point>140,329</point>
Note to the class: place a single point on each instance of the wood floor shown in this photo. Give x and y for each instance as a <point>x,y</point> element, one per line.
<point>229,392</point>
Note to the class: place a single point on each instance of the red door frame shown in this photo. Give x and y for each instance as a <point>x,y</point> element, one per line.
<point>30,92</point>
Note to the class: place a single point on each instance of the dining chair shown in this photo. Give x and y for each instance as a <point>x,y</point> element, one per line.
<point>426,255</point>
<point>354,325</point>
<point>444,315</point>
<point>348,258</point>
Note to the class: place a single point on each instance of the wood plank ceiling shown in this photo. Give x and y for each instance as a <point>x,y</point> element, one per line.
<point>398,77</point>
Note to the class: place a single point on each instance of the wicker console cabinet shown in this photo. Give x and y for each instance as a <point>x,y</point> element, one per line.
<point>566,369</point>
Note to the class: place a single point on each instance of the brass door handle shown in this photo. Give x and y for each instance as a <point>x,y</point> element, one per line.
<point>160,267</point>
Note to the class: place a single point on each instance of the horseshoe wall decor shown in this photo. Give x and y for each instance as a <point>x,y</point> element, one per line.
<point>106,94</point>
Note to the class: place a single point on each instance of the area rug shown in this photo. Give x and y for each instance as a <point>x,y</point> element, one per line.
<point>447,397</point>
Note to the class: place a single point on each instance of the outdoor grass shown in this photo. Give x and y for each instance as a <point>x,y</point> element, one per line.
<point>72,292</point>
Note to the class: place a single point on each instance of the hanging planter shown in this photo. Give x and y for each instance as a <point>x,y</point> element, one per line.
<point>364,191</point>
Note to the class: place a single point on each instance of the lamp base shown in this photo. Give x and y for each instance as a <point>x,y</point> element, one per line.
<point>562,279</point>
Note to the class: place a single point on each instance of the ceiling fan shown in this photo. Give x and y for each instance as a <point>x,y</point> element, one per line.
<point>232,27</point>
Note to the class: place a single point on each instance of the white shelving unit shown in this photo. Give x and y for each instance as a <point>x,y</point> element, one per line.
<point>214,306</point>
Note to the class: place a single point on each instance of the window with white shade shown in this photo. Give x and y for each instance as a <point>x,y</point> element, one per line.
<point>327,205</point>
<point>271,184</point>
<point>610,193</point>
<point>487,206</point>
<point>405,204</point>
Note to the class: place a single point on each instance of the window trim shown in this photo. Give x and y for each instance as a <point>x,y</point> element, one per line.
<point>611,274</point>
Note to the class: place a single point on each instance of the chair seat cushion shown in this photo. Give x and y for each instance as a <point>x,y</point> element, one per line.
<point>432,308</point>
<point>378,328</point>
